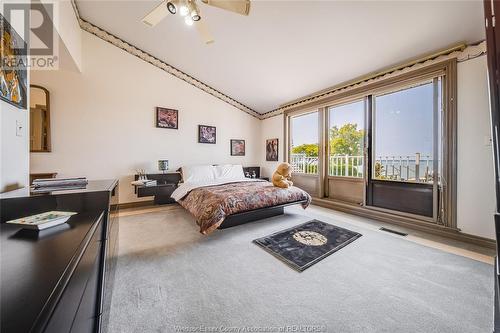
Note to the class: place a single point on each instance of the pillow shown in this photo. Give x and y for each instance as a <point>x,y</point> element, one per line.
<point>229,171</point>
<point>197,173</point>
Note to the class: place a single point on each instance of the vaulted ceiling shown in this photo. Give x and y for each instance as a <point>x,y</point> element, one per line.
<point>288,49</point>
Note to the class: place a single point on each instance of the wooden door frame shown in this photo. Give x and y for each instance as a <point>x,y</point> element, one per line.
<point>493,56</point>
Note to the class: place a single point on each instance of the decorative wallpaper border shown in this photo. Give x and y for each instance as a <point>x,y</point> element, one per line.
<point>143,55</point>
<point>470,52</point>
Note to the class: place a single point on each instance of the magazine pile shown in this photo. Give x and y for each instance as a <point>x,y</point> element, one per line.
<point>58,184</point>
<point>43,220</point>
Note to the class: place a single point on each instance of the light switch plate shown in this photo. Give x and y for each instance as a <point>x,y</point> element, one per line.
<point>19,128</point>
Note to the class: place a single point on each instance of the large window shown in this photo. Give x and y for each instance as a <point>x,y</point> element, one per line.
<point>405,134</point>
<point>345,140</point>
<point>304,148</point>
<point>387,144</point>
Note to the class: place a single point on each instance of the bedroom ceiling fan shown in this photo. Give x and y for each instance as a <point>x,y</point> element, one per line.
<point>190,11</point>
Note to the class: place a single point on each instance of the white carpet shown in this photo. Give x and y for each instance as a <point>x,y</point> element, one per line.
<point>170,278</point>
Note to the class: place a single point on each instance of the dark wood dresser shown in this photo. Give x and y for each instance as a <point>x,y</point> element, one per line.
<point>59,279</point>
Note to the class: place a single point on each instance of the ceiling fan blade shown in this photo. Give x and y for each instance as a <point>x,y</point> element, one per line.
<point>204,32</point>
<point>156,15</point>
<point>236,6</point>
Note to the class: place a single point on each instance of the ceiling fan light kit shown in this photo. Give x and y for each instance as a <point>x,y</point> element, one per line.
<point>171,7</point>
<point>188,20</point>
<point>189,10</point>
<point>183,10</point>
<point>195,15</point>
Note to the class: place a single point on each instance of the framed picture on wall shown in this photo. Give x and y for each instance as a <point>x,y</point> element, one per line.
<point>271,149</point>
<point>237,147</point>
<point>13,73</point>
<point>167,118</point>
<point>207,134</point>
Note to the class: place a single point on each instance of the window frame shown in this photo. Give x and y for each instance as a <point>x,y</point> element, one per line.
<point>413,84</point>
<point>289,141</point>
<point>447,69</point>
<point>339,103</point>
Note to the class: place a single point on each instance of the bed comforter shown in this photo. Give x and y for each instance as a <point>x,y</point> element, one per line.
<point>211,204</point>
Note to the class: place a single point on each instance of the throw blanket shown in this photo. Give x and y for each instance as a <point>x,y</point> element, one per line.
<point>211,204</point>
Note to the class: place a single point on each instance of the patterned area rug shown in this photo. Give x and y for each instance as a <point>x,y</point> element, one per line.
<point>302,246</point>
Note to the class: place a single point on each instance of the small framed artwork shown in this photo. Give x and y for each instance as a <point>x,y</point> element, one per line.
<point>207,134</point>
<point>237,147</point>
<point>167,118</point>
<point>271,149</point>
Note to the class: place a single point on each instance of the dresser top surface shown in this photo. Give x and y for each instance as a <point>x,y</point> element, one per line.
<point>92,186</point>
<point>33,263</point>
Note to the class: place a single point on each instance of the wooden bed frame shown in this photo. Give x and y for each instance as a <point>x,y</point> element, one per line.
<point>256,214</point>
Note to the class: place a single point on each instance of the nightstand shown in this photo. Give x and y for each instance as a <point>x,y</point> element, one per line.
<point>166,183</point>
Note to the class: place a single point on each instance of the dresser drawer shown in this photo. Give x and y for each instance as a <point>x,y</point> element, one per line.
<point>162,189</point>
<point>67,307</point>
<point>86,316</point>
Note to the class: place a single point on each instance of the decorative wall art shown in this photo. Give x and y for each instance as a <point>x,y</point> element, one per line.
<point>13,74</point>
<point>207,134</point>
<point>167,118</point>
<point>237,147</point>
<point>271,149</point>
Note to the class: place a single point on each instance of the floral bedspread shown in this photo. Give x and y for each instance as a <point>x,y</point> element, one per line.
<point>210,205</point>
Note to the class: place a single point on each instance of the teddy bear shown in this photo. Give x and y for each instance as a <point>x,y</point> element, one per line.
<point>282,175</point>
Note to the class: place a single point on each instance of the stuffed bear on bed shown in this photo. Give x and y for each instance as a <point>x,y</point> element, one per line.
<point>282,175</point>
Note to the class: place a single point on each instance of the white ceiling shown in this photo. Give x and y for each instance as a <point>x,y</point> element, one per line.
<point>288,49</point>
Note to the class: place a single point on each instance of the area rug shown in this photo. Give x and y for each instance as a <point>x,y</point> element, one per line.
<point>302,246</point>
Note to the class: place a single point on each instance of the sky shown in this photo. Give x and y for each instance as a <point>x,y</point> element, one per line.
<point>403,122</point>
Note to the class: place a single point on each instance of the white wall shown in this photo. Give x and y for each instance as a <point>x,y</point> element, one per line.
<point>68,28</point>
<point>103,120</point>
<point>475,192</point>
<point>14,153</point>
<point>271,128</point>
<point>67,33</point>
<point>14,169</point>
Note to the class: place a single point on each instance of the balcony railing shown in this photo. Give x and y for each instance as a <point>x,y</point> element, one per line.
<point>302,163</point>
<point>416,168</point>
<point>346,166</point>
<point>401,168</point>
<point>340,165</point>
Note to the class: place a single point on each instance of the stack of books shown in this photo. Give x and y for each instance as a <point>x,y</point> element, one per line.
<point>57,184</point>
<point>43,220</point>
<point>144,182</point>
<point>149,182</point>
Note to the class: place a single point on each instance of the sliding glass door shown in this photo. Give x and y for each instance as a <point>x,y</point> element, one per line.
<point>405,148</point>
<point>388,147</point>
<point>346,161</point>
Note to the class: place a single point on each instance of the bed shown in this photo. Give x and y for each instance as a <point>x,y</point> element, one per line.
<point>220,197</point>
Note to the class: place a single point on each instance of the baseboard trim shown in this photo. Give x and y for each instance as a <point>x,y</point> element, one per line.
<point>406,222</point>
<point>135,204</point>
<point>376,215</point>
